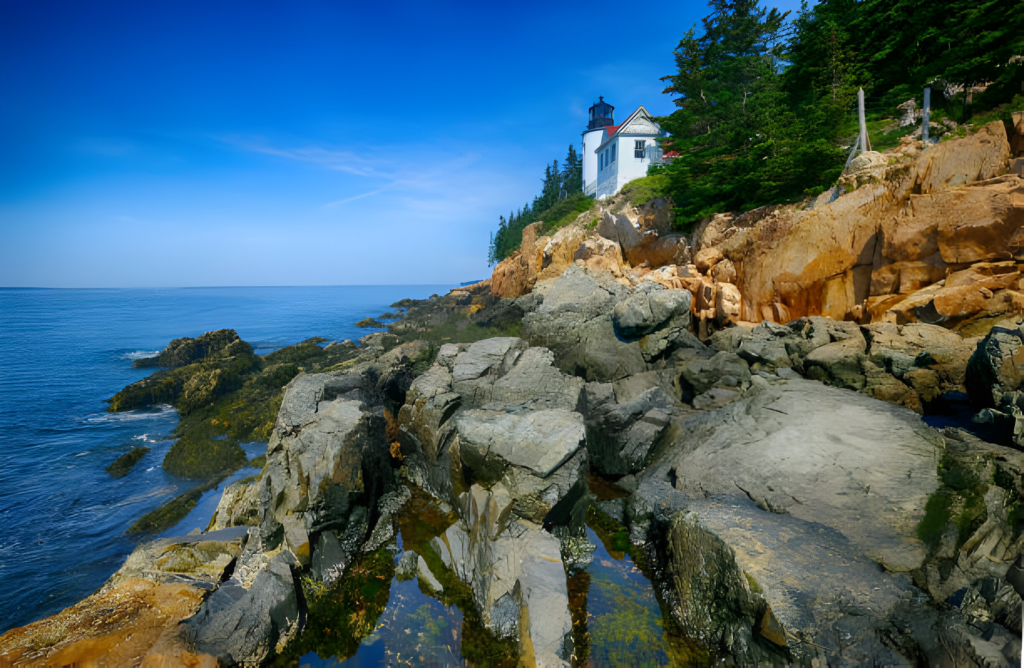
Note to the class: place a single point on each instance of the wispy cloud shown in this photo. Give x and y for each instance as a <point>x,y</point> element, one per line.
<point>422,181</point>
<point>342,161</point>
<point>354,198</point>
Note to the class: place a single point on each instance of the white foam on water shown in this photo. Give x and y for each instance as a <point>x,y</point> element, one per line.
<point>139,354</point>
<point>81,454</point>
<point>131,416</point>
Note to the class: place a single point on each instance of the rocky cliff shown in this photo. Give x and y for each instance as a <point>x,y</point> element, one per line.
<point>771,415</point>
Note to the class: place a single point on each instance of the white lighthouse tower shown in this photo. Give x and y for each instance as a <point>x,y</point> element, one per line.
<point>601,116</point>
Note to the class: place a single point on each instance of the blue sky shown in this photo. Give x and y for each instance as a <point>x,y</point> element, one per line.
<point>246,143</point>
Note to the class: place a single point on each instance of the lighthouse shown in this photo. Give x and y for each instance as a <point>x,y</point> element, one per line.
<point>601,116</point>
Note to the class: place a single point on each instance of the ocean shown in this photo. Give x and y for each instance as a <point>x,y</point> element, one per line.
<point>62,352</point>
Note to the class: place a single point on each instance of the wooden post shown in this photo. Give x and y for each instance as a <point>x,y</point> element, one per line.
<point>925,116</point>
<point>863,122</point>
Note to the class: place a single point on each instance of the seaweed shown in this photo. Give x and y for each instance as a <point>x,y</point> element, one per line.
<point>959,500</point>
<point>613,535</point>
<point>342,614</point>
<point>230,396</point>
<point>198,457</point>
<point>123,464</point>
<point>578,585</point>
<point>630,632</point>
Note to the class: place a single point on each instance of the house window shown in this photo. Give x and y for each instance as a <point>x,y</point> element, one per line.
<point>600,161</point>
<point>638,148</point>
<point>613,153</point>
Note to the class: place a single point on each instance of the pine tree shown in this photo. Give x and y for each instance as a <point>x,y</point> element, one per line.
<point>734,125</point>
<point>572,172</point>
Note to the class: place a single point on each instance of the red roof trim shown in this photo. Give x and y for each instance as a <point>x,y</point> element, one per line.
<point>612,129</point>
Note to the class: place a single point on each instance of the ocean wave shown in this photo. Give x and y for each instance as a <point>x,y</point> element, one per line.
<point>139,354</point>
<point>131,416</point>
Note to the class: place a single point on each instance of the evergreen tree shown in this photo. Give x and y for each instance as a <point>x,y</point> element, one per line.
<point>572,172</point>
<point>735,129</point>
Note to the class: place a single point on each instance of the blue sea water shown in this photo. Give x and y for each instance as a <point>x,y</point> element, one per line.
<point>62,352</point>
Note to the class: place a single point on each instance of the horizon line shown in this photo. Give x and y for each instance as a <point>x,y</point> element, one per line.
<point>211,287</point>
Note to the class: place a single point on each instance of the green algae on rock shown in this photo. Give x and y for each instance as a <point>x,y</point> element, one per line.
<point>342,614</point>
<point>123,464</point>
<point>180,352</point>
<point>225,397</point>
<point>198,458</point>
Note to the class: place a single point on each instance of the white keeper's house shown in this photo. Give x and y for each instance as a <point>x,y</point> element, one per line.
<point>614,155</point>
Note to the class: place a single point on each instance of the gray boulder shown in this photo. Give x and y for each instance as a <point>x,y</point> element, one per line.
<point>430,403</point>
<point>711,597</point>
<point>791,448</point>
<point>499,411</point>
<point>238,505</point>
<point>619,229</point>
<point>620,434</point>
<point>647,310</point>
<point>812,488</point>
<point>729,338</point>
<point>200,560</point>
<point>995,367</point>
<point>539,456</point>
<point>838,363</point>
<point>513,567</point>
<point>244,626</point>
<point>700,374</point>
<point>574,321</point>
<point>903,349</point>
<point>484,361</point>
<point>533,383</point>
<point>766,345</point>
<point>325,457</point>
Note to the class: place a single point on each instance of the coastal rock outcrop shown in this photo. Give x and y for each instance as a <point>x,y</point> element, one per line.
<point>712,600</point>
<point>911,365</point>
<point>575,323</point>
<point>320,499</point>
<point>734,469</point>
<point>327,462</point>
<point>621,433</point>
<point>185,350</point>
<point>994,368</point>
<point>763,463</point>
<point>949,208</point>
<point>245,625</point>
<point>515,569</point>
<point>134,617</point>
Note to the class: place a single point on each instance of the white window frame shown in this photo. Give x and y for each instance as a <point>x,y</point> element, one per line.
<point>639,148</point>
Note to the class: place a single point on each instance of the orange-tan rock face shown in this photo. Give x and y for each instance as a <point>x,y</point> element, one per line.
<point>903,230</point>
<point>894,247</point>
<point>133,619</point>
<point>114,627</point>
<point>538,258</point>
